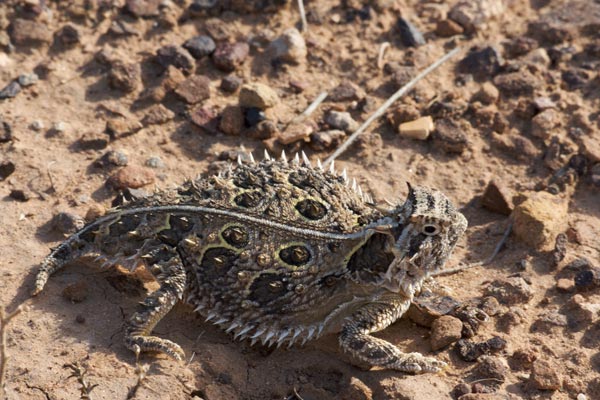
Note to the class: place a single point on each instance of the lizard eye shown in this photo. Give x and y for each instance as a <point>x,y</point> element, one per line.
<point>430,229</point>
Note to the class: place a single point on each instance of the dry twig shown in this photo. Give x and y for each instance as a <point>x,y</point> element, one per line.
<point>80,372</point>
<point>142,372</point>
<point>4,320</point>
<point>303,16</point>
<point>381,110</point>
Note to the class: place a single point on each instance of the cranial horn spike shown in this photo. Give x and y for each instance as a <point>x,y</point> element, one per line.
<point>296,159</point>
<point>267,155</point>
<point>345,174</point>
<point>332,167</point>
<point>354,184</point>
<point>239,159</point>
<point>319,164</point>
<point>283,156</point>
<point>251,158</point>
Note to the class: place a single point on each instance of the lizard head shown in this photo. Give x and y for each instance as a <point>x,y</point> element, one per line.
<point>429,227</point>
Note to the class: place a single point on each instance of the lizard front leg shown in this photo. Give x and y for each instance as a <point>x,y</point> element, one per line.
<point>170,273</point>
<point>356,340</point>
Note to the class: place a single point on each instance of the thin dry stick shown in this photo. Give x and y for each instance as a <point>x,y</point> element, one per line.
<point>479,263</point>
<point>401,92</point>
<point>4,320</point>
<point>310,109</point>
<point>303,16</point>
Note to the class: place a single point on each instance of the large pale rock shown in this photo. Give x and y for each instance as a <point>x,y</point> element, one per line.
<point>539,218</point>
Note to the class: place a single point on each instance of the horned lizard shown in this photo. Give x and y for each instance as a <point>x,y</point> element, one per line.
<point>277,251</point>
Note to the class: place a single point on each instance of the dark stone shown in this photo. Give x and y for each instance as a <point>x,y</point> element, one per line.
<point>515,84</point>
<point>5,132</point>
<point>482,63</point>
<point>253,115</point>
<point>10,90</point>
<point>228,57</point>
<point>125,77</point>
<point>231,83</point>
<point>520,46</point>
<point>199,7</point>
<point>127,195</point>
<point>67,223</point>
<point>176,56</point>
<point>200,46</point>
<point>68,35</point>
<point>575,78</point>
<point>112,158</point>
<point>549,32</point>
<point>471,351</point>
<point>345,91</point>
<point>409,34</point>
<point>20,195</point>
<point>450,137</point>
<point>6,169</point>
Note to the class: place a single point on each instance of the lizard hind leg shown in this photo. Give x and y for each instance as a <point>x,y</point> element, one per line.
<point>138,337</point>
<point>355,339</point>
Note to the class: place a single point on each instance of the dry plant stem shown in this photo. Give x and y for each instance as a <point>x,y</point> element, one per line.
<point>303,15</point>
<point>382,50</point>
<point>4,320</point>
<point>381,110</point>
<point>79,372</point>
<point>480,263</point>
<point>310,109</point>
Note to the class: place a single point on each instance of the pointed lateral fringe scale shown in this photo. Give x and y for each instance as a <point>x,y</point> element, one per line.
<point>296,159</point>
<point>283,157</point>
<point>305,159</point>
<point>319,164</point>
<point>239,159</point>
<point>251,158</point>
<point>345,175</point>
<point>332,168</point>
<point>241,334</point>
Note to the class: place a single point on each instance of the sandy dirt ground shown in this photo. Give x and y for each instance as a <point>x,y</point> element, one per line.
<point>518,106</point>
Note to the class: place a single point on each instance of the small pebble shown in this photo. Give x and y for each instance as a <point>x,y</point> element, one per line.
<point>125,77</point>
<point>258,95</point>
<point>143,8</point>
<point>20,195</point>
<point>200,46</point>
<point>544,123</point>
<point>345,91</point>
<point>289,47</point>
<point>58,127</point>
<point>409,34</point>
<point>67,223</point>
<point>176,56</point>
<point>231,83</point>
<point>296,132</point>
<point>450,137</point>
<point>253,115</point>
<point>325,140</point>
<point>80,319</point>
<point>510,291</point>
<point>194,89</point>
<point>228,57</point>
<point>76,292</point>
<point>27,79</point>
<point>10,90</point>
<point>37,125</point>
<point>516,84</point>
<point>5,132</point>
<point>232,120</point>
<point>418,129</point>
<point>472,14</point>
<point>202,116</point>
<point>470,351</point>
<point>444,331</point>
<point>544,376</point>
<point>131,176</point>
<point>154,162</point>
<point>30,33</point>
<point>492,367</point>
<point>497,198</point>
<point>342,121</point>
<point>448,28</point>
<point>6,169</point>
<point>539,219</point>
<point>68,35</point>
<point>488,94</point>
<point>157,114</point>
<point>94,212</point>
<point>483,63</point>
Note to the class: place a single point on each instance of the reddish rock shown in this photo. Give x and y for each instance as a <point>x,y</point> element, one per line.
<point>157,114</point>
<point>544,376</point>
<point>232,120</point>
<point>444,331</point>
<point>143,8</point>
<point>24,32</point>
<point>131,177</point>
<point>497,198</point>
<point>228,57</point>
<point>125,77</point>
<point>194,89</point>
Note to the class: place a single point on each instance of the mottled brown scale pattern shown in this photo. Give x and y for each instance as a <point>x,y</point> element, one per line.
<point>278,252</point>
